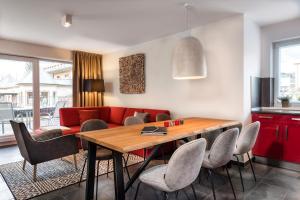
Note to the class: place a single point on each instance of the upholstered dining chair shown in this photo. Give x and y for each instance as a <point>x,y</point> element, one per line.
<point>132,121</point>
<point>162,117</point>
<point>244,144</point>
<point>181,171</point>
<point>101,153</point>
<point>43,147</point>
<point>220,155</point>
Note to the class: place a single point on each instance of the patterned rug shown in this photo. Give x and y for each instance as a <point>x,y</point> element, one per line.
<point>51,175</point>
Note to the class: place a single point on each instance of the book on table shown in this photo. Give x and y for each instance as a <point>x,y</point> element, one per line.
<point>154,130</point>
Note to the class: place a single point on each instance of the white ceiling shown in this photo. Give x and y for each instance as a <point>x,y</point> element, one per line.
<point>107,25</point>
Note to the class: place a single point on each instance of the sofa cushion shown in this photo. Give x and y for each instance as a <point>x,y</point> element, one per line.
<point>104,113</point>
<point>85,115</point>
<point>153,113</point>
<point>116,115</point>
<point>130,112</point>
<point>142,115</point>
<point>69,117</point>
<point>113,125</point>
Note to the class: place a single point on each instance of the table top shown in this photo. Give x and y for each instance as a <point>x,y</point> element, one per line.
<point>47,128</point>
<point>128,138</point>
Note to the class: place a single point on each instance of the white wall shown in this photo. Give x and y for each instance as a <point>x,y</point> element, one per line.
<point>33,50</point>
<point>273,33</point>
<point>219,95</point>
<point>252,58</point>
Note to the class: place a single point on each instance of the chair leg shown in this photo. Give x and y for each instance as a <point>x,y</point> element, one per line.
<point>75,161</point>
<point>165,196</point>
<point>210,174</point>
<point>229,178</point>
<point>251,166</point>
<point>107,169</point>
<point>144,154</point>
<point>24,164</point>
<point>97,179</point>
<point>137,190</point>
<point>194,192</point>
<point>126,168</point>
<point>241,176</point>
<point>34,172</point>
<point>82,171</point>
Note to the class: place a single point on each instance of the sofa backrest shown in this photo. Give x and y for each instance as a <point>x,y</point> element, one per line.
<point>70,116</point>
<point>115,115</point>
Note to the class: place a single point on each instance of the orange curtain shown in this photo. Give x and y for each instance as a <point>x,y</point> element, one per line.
<point>86,66</point>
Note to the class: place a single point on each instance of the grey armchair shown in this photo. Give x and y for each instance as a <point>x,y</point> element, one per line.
<point>44,147</point>
<point>220,155</point>
<point>181,171</point>
<point>244,144</point>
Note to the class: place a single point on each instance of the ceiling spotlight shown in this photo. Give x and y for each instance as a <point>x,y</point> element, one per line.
<point>67,20</point>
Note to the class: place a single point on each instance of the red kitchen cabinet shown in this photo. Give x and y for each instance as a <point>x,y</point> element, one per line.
<point>279,137</point>
<point>291,140</point>
<point>268,142</point>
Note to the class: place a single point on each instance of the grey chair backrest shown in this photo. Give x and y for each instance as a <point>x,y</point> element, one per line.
<point>91,125</point>
<point>23,138</point>
<point>59,104</point>
<point>247,138</point>
<point>6,111</point>
<point>185,164</point>
<point>162,117</point>
<point>222,149</point>
<point>132,120</point>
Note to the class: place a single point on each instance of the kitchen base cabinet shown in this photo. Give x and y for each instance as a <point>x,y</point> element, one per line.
<point>278,138</point>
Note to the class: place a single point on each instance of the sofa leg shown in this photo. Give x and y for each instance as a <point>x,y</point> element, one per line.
<point>24,164</point>
<point>34,172</point>
<point>75,161</point>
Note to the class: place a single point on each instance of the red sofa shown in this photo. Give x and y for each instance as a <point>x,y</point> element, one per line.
<point>113,116</point>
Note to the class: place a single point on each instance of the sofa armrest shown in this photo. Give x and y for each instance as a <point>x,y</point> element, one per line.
<point>47,135</point>
<point>42,151</point>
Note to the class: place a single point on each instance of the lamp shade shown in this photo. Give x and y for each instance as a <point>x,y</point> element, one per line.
<point>93,85</point>
<point>188,59</point>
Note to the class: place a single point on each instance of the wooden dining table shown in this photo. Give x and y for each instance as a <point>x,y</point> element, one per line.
<point>126,139</point>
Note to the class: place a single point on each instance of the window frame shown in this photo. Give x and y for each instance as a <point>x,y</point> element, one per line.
<point>276,70</point>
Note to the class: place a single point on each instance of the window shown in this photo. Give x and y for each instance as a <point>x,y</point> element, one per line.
<point>287,69</point>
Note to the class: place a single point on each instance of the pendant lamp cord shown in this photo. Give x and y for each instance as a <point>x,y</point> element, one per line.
<point>187,7</point>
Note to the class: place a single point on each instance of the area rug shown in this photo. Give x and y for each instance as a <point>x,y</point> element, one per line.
<point>51,175</point>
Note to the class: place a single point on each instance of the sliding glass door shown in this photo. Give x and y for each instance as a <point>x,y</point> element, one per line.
<point>16,93</point>
<point>32,91</point>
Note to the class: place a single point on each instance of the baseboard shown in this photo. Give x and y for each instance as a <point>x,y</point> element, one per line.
<point>277,163</point>
<point>242,164</point>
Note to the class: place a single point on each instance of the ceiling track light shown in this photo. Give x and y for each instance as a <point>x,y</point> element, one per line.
<point>67,20</point>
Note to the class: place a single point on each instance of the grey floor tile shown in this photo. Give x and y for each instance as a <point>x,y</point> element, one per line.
<point>267,192</point>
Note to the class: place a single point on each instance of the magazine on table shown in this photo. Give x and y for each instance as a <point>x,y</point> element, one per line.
<point>154,130</point>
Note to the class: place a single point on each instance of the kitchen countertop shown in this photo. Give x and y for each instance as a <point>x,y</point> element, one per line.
<point>277,110</point>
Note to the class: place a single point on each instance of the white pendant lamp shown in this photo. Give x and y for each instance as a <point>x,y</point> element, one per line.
<point>188,58</point>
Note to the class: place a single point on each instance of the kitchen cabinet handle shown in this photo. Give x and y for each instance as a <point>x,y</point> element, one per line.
<point>267,117</point>
<point>277,132</point>
<point>296,119</point>
<point>286,132</point>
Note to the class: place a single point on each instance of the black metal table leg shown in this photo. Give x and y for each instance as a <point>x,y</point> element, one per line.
<point>118,176</point>
<point>141,169</point>
<point>89,190</point>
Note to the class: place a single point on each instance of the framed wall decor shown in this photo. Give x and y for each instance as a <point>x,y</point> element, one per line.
<point>132,74</point>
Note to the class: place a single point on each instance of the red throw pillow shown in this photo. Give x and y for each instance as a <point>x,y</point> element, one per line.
<point>85,115</point>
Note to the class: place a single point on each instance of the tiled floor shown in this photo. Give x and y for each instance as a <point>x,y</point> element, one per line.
<point>273,184</point>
